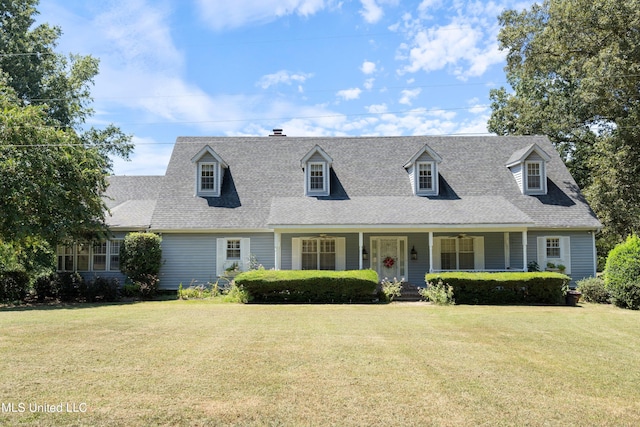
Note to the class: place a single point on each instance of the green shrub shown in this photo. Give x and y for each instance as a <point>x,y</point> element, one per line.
<point>504,288</point>
<point>390,289</point>
<point>622,274</point>
<point>46,286</point>
<point>439,293</point>
<point>130,290</point>
<point>14,285</point>
<point>103,289</point>
<point>140,260</point>
<point>70,286</point>
<point>309,285</point>
<point>594,290</point>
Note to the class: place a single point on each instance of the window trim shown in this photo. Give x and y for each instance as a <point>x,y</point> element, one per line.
<point>478,253</point>
<point>542,189</point>
<point>425,191</point>
<point>318,252</point>
<point>340,252</point>
<point>564,249</point>
<point>223,263</point>
<point>61,251</point>
<point>324,191</point>
<point>216,179</point>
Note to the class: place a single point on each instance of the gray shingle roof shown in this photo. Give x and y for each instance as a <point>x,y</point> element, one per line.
<point>264,185</point>
<point>131,201</point>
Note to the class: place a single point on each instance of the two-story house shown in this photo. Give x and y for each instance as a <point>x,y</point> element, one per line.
<point>402,206</point>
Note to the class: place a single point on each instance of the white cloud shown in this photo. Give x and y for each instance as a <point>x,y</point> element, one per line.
<point>377,108</point>
<point>368,84</point>
<point>221,15</point>
<point>466,46</point>
<point>284,77</point>
<point>408,95</point>
<point>149,158</point>
<point>371,12</point>
<point>349,94</point>
<point>368,67</point>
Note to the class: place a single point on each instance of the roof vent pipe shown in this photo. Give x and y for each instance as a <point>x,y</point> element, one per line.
<point>277,132</point>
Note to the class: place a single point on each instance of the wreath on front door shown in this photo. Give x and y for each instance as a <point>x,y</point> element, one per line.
<point>388,262</point>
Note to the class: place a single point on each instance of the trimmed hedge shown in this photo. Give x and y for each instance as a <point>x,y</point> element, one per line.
<point>622,273</point>
<point>504,288</point>
<point>309,285</point>
<point>14,285</point>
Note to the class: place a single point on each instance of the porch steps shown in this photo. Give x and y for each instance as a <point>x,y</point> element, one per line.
<point>409,292</point>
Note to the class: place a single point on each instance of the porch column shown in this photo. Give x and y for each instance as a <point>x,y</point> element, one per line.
<point>524,250</point>
<point>431,252</point>
<point>277,249</point>
<point>507,252</point>
<point>360,247</point>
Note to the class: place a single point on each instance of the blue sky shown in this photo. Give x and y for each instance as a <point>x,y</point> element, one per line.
<point>172,68</point>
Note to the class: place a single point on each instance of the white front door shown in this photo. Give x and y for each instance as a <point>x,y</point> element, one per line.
<point>389,257</point>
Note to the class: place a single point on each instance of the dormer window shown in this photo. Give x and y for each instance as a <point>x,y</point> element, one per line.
<point>209,172</point>
<point>316,165</point>
<point>423,172</point>
<point>534,176</point>
<point>316,177</point>
<point>207,177</point>
<point>529,168</point>
<point>425,176</point>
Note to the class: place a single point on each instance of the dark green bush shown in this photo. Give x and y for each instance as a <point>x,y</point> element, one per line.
<point>70,286</point>
<point>103,289</point>
<point>622,274</point>
<point>309,285</point>
<point>140,260</point>
<point>14,285</point>
<point>504,288</point>
<point>594,290</point>
<point>46,286</point>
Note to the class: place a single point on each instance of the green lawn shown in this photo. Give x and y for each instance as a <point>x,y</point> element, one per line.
<point>199,363</point>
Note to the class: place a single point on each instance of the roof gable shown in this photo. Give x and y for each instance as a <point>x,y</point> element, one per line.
<point>207,150</point>
<point>523,154</point>
<point>424,150</point>
<point>316,150</point>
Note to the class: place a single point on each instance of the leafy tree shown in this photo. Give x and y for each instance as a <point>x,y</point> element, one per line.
<point>574,67</point>
<point>52,170</point>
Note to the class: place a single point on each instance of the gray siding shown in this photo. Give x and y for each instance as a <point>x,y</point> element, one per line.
<point>191,258</point>
<point>582,251</point>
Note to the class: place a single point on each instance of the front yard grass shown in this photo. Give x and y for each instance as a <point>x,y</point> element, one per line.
<point>199,363</point>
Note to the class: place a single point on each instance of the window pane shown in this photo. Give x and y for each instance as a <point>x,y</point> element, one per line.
<point>533,176</point>
<point>207,177</point>
<point>114,255</point>
<point>233,249</point>
<point>327,255</point>
<point>466,261</point>
<point>316,177</point>
<point>100,256</point>
<point>425,180</point>
<point>83,257</point>
<point>448,261</point>
<point>553,248</point>
<point>309,254</point>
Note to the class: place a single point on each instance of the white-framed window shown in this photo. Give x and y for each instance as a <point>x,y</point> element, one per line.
<point>534,176</point>
<point>555,250</point>
<point>553,247</point>
<point>232,254</point>
<point>313,253</point>
<point>66,257</point>
<point>318,254</point>
<point>425,176</point>
<point>458,253</point>
<point>114,254</point>
<point>207,178</point>
<point>317,179</point>
<point>100,256</point>
<point>233,249</point>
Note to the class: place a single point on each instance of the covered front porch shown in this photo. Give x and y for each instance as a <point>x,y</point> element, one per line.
<point>406,253</point>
